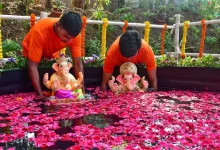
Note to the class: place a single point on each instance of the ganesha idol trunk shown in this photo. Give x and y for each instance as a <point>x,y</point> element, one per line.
<point>129,86</point>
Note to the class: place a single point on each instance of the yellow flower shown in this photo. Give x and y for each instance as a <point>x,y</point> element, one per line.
<point>1,54</point>
<point>147,31</point>
<point>103,46</point>
<point>185,28</point>
<point>19,98</point>
<point>63,51</point>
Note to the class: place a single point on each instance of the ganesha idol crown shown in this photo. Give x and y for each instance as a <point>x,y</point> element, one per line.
<point>128,67</point>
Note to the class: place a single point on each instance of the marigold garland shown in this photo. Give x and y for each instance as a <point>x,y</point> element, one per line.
<point>202,38</point>
<point>163,39</point>
<point>125,26</point>
<point>32,20</point>
<point>147,31</point>
<point>185,28</point>
<point>104,27</point>
<point>1,54</point>
<point>63,51</point>
<point>84,22</point>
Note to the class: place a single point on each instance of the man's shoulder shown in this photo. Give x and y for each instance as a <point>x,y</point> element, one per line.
<point>145,46</point>
<point>115,46</point>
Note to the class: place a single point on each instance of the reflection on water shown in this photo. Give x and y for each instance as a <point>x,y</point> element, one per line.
<point>19,144</point>
<point>5,130</point>
<point>61,145</point>
<point>98,120</point>
<point>162,99</point>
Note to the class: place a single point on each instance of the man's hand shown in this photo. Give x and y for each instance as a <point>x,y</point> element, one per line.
<point>46,93</point>
<point>103,88</point>
<point>34,76</point>
<point>152,76</point>
<point>105,78</point>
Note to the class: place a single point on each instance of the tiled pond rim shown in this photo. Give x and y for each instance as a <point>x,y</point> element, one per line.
<point>164,119</point>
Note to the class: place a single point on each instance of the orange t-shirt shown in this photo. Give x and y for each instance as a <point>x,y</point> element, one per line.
<point>42,42</point>
<point>114,58</point>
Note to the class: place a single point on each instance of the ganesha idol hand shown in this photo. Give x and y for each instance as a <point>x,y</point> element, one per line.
<point>113,86</point>
<point>56,85</point>
<point>45,79</point>
<point>77,84</point>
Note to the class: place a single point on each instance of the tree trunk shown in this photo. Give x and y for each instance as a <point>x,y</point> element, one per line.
<point>48,4</point>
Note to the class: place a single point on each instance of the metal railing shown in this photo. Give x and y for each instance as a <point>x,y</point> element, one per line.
<point>175,27</point>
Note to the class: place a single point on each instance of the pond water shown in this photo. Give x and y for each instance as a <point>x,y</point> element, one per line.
<point>163,119</point>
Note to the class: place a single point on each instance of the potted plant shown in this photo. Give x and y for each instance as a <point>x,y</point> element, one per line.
<point>10,48</point>
<point>160,14</point>
<point>57,9</point>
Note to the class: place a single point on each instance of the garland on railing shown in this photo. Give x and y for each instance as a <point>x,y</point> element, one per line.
<point>147,31</point>
<point>1,54</point>
<point>202,38</point>
<point>104,27</point>
<point>32,20</point>
<point>163,39</point>
<point>185,28</point>
<point>84,22</point>
<point>125,26</point>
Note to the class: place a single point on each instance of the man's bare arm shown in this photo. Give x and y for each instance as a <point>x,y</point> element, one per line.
<point>105,78</point>
<point>152,76</point>
<point>34,76</point>
<point>78,67</point>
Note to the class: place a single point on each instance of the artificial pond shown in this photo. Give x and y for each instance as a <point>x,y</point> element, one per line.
<point>156,120</point>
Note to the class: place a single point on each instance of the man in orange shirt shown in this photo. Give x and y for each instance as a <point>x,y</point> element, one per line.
<point>129,47</point>
<point>47,37</point>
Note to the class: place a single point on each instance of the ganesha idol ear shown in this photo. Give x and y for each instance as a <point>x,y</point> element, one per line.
<point>135,79</point>
<point>55,66</point>
<point>120,79</point>
<point>69,65</point>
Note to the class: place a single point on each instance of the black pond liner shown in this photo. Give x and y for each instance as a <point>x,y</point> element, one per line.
<point>169,78</point>
<point>176,101</point>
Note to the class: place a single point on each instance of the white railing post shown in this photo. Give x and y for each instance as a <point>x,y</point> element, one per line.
<point>43,14</point>
<point>177,32</point>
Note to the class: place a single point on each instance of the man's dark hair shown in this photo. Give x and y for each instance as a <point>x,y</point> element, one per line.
<point>129,43</point>
<point>71,22</point>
